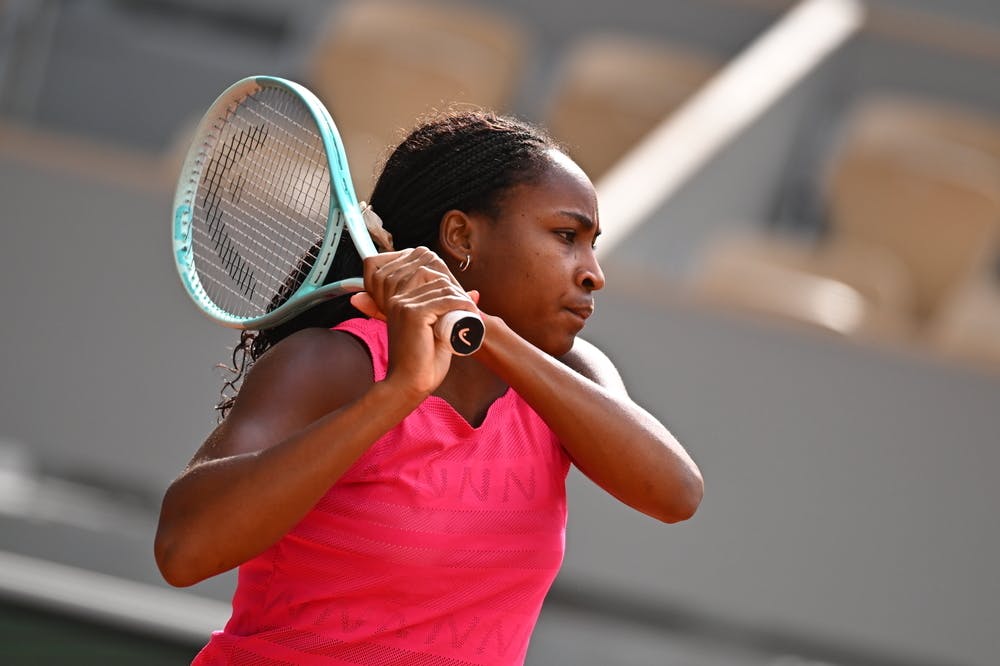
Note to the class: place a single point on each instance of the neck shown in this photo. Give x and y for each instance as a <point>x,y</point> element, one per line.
<point>470,388</point>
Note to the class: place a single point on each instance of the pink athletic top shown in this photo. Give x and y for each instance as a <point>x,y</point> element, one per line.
<point>436,548</point>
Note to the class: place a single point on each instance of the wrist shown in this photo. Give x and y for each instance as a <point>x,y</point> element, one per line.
<point>496,331</point>
<point>502,347</point>
<point>397,394</point>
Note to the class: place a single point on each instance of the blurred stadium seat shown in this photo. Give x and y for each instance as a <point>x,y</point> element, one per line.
<point>931,200</point>
<point>967,326</point>
<point>852,290</point>
<point>932,118</point>
<point>379,65</point>
<point>91,160</point>
<point>611,89</point>
<point>913,196</point>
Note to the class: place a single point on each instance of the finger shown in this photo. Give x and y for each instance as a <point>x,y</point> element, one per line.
<point>400,263</point>
<point>429,301</point>
<point>377,262</point>
<point>408,269</point>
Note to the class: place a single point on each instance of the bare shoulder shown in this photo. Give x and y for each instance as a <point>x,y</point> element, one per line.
<point>594,364</point>
<point>302,378</point>
<point>314,367</point>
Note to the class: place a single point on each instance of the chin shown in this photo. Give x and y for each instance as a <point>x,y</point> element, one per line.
<point>554,341</point>
<point>556,347</point>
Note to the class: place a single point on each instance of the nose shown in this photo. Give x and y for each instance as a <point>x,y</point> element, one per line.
<point>590,276</point>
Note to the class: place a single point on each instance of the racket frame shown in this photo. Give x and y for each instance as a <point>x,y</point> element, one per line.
<point>344,211</point>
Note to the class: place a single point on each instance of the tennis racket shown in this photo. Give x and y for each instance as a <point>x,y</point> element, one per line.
<point>261,209</point>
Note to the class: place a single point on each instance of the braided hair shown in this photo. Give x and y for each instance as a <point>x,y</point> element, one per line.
<point>464,161</point>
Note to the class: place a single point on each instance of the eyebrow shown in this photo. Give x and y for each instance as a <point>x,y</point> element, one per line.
<point>584,220</point>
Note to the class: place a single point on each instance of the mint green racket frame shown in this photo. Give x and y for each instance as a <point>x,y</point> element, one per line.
<point>344,210</point>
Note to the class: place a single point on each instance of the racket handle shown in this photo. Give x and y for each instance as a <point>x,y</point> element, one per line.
<point>464,330</point>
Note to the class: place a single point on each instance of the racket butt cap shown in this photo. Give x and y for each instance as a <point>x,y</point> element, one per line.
<point>463,330</point>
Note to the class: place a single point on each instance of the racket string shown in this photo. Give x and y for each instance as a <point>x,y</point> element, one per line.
<point>283,238</point>
<point>262,205</point>
<point>303,180</point>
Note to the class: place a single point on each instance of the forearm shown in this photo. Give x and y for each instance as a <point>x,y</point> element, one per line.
<point>614,441</point>
<point>221,512</point>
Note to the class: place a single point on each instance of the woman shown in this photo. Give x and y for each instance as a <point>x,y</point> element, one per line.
<point>390,503</point>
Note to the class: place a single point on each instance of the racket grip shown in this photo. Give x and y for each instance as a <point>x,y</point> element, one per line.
<point>464,330</point>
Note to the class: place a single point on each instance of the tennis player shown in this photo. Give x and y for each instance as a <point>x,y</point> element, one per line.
<point>387,502</point>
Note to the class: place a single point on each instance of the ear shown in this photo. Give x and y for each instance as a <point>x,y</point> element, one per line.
<point>456,236</point>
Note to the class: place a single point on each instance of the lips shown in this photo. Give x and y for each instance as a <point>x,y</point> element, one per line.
<point>582,310</point>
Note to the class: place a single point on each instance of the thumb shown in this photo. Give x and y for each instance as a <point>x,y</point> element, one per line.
<point>366,304</point>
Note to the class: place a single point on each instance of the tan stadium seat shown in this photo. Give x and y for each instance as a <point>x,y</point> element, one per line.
<point>967,326</point>
<point>908,115</point>
<point>612,89</point>
<point>380,65</point>
<point>88,159</point>
<point>913,190</point>
<point>930,200</point>
<point>854,291</point>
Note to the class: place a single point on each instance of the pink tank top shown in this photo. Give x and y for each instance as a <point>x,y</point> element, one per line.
<point>436,548</point>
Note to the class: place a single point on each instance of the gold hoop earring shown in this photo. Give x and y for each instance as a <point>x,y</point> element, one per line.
<point>464,266</point>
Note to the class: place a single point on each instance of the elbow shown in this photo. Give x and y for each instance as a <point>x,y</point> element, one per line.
<point>167,563</point>
<point>683,510</point>
<point>683,503</point>
<point>172,562</point>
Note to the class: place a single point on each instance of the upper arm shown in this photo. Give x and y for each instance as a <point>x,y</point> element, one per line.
<point>594,364</point>
<point>307,375</point>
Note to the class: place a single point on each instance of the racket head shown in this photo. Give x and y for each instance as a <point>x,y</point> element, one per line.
<point>262,204</point>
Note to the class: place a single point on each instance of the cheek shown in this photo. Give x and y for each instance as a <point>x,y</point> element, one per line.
<point>538,280</point>
<point>523,266</point>
<point>515,292</point>
<point>529,269</point>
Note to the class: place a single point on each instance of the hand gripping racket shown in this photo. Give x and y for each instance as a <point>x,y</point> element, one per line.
<point>261,207</point>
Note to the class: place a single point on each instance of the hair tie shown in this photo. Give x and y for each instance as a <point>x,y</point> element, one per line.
<point>381,237</point>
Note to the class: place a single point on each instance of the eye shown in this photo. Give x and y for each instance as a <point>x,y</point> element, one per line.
<point>568,235</point>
